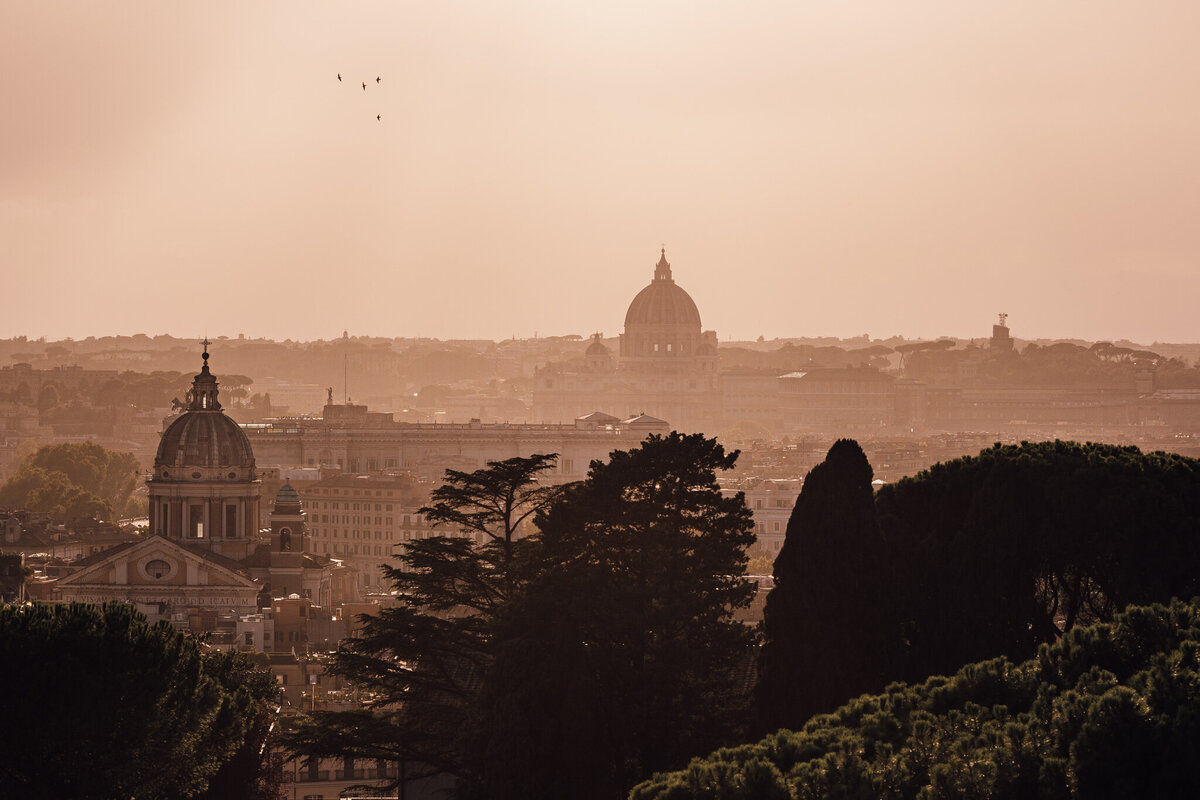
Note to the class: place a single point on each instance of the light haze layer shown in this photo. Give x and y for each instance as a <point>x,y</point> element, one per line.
<point>815,168</point>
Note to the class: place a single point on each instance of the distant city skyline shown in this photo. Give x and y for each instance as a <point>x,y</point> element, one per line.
<point>824,169</point>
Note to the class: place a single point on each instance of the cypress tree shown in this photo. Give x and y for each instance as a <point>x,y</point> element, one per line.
<point>825,621</point>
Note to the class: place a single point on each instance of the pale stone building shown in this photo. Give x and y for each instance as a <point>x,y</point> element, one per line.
<point>357,441</point>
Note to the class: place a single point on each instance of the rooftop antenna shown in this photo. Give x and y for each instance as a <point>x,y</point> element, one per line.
<point>346,379</point>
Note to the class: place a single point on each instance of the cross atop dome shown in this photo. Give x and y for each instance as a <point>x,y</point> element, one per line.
<point>662,270</point>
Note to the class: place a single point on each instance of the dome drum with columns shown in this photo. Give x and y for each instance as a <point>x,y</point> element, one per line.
<point>204,489</point>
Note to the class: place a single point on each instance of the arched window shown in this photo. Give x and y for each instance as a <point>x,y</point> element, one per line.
<point>285,540</point>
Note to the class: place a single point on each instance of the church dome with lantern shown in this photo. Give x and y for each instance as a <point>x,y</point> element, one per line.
<point>663,302</point>
<point>662,326</point>
<point>204,489</point>
<point>203,437</point>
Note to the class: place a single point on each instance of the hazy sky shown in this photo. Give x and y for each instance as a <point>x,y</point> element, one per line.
<point>814,167</point>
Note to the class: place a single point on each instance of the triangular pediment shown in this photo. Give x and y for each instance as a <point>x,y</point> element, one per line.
<point>157,561</point>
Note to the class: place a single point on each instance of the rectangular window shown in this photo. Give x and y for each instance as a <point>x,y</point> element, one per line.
<point>196,522</point>
<point>231,528</point>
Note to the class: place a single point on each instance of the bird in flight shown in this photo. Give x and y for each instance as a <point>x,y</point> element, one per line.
<point>364,86</point>
<point>379,117</point>
<point>339,77</point>
<point>378,79</point>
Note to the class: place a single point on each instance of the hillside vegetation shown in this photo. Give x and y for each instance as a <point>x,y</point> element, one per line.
<point>1111,710</point>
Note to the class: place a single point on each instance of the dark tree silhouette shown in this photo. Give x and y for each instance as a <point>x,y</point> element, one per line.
<point>825,625</point>
<point>422,662</point>
<point>621,655</point>
<point>1110,711</point>
<point>103,704</point>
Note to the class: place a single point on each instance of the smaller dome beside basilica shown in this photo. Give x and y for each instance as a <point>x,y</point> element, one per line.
<point>597,347</point>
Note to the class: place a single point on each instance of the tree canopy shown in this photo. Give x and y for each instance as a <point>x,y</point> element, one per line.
<point>73,480</point>
<point>977,557</point>
<point>997,553</point>
<point>621,655</point>
<point>420,664</point>
<point>102,704</point>
<point>1109,711</point>
<point>824,626</point>
<point>570,662</point>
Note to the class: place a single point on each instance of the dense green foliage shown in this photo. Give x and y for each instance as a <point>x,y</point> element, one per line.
<point>995,554</point>
<point>73,480</point>
<point>829,590</point>
<point>1103,364</point>
<point>63,402</point>
<point>975,558</point>
<point>101,704</point>
<point>572,662</point>
<point>420,663</point>
<point>1110,711</point>
<point>621,655</point>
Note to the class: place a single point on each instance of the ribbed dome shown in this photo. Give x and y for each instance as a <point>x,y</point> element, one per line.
<point>204,439</point>
<point>203,436</point>
<point>663,302</point>
<point>597,348</point>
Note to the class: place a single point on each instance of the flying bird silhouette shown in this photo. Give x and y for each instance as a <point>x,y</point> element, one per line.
<point>378,79</point>
<point>379,117</point>
<point>339,77</point>
<point>364,86</point>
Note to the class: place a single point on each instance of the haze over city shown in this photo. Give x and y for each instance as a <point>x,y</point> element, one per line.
<point>813,169</point>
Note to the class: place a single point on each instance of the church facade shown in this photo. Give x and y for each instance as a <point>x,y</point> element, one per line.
<point>204,554</point>
<point>666,366</point>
